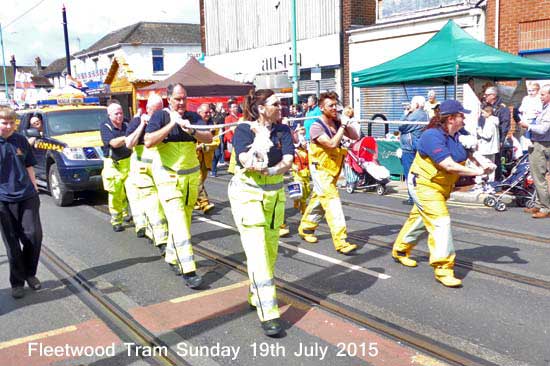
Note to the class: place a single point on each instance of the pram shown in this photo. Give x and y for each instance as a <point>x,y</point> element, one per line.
<point>361,168</point>
<point>519,183</point>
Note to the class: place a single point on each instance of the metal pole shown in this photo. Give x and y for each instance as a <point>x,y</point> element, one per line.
<point>456,79</point>
<point>67,53</point>
<point>4,65</point>
<point>295,75</point>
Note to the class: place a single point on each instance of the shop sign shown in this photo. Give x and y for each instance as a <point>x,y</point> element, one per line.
<point>279,63</point>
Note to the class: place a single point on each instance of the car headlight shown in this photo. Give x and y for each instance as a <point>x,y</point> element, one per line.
<point>74,153</point>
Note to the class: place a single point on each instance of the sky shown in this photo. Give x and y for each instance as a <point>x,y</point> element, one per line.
<point>33,28</point>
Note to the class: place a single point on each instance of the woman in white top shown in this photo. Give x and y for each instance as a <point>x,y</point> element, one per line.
<point>530,108</point>
<point>489,137</point>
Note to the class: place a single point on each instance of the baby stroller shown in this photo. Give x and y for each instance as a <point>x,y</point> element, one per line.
<point>361,168</point>
<point>519,183</point>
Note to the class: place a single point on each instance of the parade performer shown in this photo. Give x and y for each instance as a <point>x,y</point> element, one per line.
<point>176,172</point>
<point>439,162</point>
<point>19,206</point>
<point>264,153</point>
<point>148,214</point>
<point>326,157</point>
<point>300,170</point>
<point>116,164</point>
<point>205,153</point>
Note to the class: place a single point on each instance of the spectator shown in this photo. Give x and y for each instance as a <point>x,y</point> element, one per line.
<point>313,110</point>
<point>218,117</point>
<point>231,118</point>
<point>539,154</point>
<point>36,123</point>
<point>501,111</point>
<point>431,104</point>
<point>348,116</point>
<point>488,143</point>
<point>530,108</point>
<point>410,134</point>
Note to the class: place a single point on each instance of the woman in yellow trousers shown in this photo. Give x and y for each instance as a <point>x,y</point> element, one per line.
<point>439,162</point>
<point>258,199</point>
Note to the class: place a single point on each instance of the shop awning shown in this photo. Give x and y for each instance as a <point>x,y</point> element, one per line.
<point>199,81</point>
<point>451,52</point>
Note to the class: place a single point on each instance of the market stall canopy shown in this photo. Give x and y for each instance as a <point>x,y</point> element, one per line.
<point>451,52</point>
<point>199,81</point>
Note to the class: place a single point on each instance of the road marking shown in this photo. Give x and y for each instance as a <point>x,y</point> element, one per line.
<point>34,337</point>
<point>325,258</point>
<point>209,292</point>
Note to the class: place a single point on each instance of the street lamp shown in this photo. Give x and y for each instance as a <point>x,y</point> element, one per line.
<point>4,65</point>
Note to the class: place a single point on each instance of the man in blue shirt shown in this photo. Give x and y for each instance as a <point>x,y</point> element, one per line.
<point>313,111</point>
<point>19,206</point>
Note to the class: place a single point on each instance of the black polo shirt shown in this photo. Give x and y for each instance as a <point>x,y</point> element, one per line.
<point>161,118</point>
<point>132,126</point>
<point>15,157</point>
<point>280,136</point>
<point>109,132</point>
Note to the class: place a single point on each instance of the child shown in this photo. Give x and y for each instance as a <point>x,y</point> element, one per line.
<point>489,137</point>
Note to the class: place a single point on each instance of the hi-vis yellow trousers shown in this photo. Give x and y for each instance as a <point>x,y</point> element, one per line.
<point>429,214</point>
<point>144,202</point>
<point>258,206</point>
<point>325,200</point>
<point>114,175</point>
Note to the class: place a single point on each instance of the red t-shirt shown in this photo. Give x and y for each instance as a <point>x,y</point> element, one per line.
<point>228,137</point>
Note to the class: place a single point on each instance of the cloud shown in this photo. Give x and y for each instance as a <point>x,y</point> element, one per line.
<point>40,31</point>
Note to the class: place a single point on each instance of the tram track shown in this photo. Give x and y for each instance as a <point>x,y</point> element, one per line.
<point>116,318</point>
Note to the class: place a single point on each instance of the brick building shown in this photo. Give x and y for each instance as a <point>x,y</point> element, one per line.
<point>523,27</point>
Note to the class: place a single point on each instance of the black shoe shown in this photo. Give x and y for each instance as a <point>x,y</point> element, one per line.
<point>34,283</point>
<point>128,218</point>
<point>408,202</point>
<point>141,233</point>
<point>162,249</point>
<point>192,280</point>
<point>272,327</point>
<point>118,228</point>
<point>17,292</point>
<point>176,269</point>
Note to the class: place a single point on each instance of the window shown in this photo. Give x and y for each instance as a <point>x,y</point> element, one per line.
<point>158,59</point>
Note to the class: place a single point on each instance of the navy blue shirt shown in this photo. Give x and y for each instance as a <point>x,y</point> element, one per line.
<point>109,132</point>
<point>438,145</point>
<point>15,157</point>
<point>161,118</point>
<point>280,136</point>
<point>132,126</point>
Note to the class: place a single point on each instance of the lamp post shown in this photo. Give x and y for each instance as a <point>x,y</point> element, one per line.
<point>295,75</point>
<point>4,65</point>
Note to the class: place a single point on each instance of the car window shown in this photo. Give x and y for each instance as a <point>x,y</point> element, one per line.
<point>71,121</point>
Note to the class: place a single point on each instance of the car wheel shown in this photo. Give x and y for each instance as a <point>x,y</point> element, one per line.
<point>61,196</point>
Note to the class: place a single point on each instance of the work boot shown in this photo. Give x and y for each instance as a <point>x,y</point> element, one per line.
<point>284,230</point>
<point>271,327</point>
<point>308,235</point>
<point>128,218</point>
<point>404,259</point>
<point>447,278</point>
<point>141,233</point>
<point>118,228</point>
<point>207,207</point>
<point>17,292</point>
<point>347,248</point>
<point>162,249</point>
<point>34,283</point>
<point>176,268</point>
<point>192,280</point>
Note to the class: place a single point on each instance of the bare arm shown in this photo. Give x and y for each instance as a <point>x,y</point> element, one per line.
<point>118,142</point>
<point>32,176</point>
<point>452,166</point>
<point>334,142</point>
<point>154,138</point>
<point>281,167</point>
<point>133,138</point>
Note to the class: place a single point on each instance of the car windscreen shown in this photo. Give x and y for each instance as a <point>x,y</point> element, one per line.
<point>72,121</point>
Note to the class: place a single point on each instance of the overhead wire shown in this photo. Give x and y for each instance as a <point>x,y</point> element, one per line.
<point>25,13</point>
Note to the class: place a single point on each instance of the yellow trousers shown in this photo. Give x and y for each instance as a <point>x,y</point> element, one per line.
<point>303,177</point>
<point>429,215</point>
<point>325,201</point>
<point>114,175</point>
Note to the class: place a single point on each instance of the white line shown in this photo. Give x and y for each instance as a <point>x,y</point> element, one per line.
<point>339,262</point>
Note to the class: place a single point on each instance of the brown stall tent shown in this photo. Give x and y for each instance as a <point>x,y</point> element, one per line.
<point>202,85</point>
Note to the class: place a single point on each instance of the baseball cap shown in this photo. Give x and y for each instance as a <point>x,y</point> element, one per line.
<point>451,107</point>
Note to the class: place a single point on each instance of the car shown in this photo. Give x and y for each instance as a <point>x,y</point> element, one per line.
<point>68,150</point>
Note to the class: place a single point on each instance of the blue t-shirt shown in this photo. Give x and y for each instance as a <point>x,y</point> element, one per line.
<point>280,136</point>
<point>308,122</point>
<point>161,118</point>
<point>109,132</point>
<point>15,157</point>
<point>438,145</point>
<point>132,126</point>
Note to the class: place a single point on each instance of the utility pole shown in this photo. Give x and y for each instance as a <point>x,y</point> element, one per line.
<point>295,75</point>
<point>67,53</point>
<point>4,65</point>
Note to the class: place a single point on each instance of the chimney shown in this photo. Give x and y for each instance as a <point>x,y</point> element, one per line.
<point>38,64</point>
